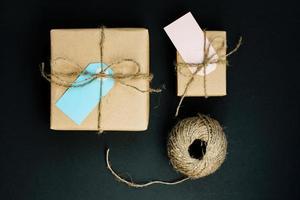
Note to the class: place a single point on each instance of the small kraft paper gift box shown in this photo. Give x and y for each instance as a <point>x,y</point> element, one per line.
<point>214,82</point>
<point>100,79</point>
<point>200,60</point>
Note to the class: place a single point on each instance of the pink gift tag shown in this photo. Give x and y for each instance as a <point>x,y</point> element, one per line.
<point>188,39</point>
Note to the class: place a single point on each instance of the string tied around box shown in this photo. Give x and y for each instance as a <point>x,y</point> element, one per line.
<point>196,147</point>
<point>207,59</point>
<point>62,78</point>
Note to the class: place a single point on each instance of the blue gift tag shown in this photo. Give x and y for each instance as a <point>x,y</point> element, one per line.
<point>78,102</point>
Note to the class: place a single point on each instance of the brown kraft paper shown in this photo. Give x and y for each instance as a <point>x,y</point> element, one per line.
<point>215,81</point>
<point>123,108</point>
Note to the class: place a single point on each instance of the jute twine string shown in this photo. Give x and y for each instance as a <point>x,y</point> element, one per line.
<point>181,137</point>
<point>63,79</point>
<point>207,59</point>
<point>138,185</point>
<point>187,131</point>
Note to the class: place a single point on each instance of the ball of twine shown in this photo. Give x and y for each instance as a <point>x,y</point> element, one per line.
<point>197,146</point>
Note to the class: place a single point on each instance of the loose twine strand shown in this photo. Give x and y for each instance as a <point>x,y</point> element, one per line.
<point>62,78</point>
<point>207,59</point>
<point>139,185</point>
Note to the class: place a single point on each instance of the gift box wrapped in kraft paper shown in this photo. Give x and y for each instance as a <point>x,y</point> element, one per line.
<point>201,58</point>
<point>100,79</point>
<point>209,83</point>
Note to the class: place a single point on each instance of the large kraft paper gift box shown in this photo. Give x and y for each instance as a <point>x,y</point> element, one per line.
<point>215,81</point>
<point>122,107</point>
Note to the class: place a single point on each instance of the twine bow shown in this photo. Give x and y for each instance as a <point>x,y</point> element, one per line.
<point>215,58</point>
<point>61,78</point>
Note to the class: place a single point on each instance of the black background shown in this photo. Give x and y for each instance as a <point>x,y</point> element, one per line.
<point>260,113</point>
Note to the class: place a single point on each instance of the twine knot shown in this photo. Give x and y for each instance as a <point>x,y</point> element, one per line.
<point>102,75</point>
